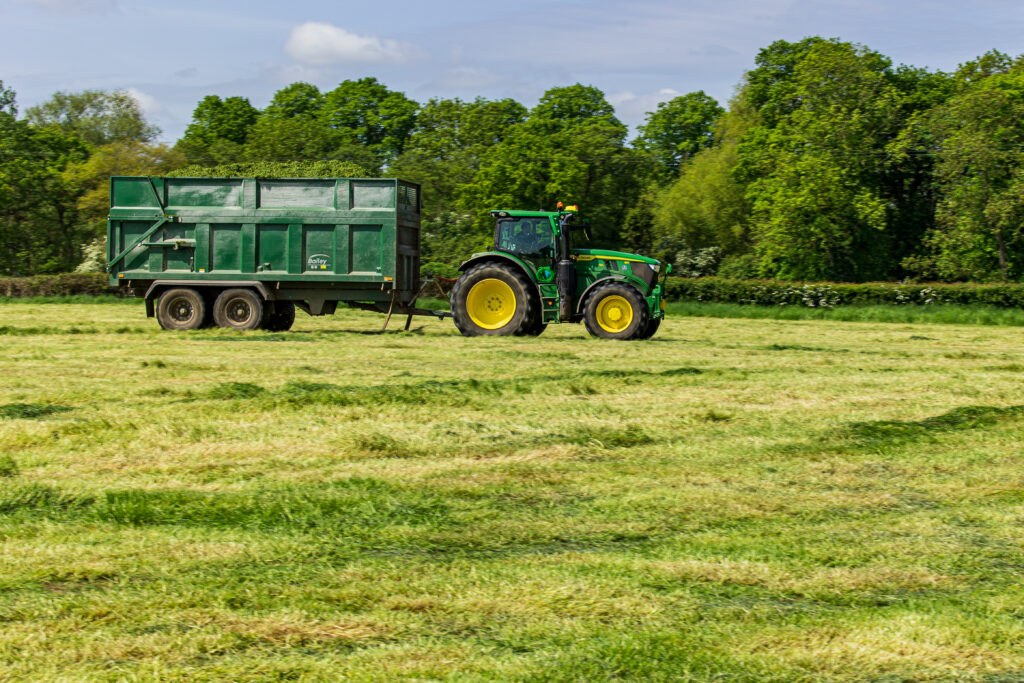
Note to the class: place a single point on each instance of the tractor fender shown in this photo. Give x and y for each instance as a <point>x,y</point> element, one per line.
<point>596,283</point>
<point>495,256</point>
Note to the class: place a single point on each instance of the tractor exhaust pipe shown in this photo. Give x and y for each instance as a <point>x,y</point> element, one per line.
<point>565,278</point>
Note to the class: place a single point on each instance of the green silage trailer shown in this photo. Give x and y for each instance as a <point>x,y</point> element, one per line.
<point>243,253</point>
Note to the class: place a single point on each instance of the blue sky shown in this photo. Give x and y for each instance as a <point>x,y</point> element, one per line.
<point>170,53</point>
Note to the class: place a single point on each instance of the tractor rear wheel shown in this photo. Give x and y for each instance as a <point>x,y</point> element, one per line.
<point>181,309</point>
<point>282,319</point>
<point>533,327</point>
<point>238,309</point>
<point>491,298</point>
<point>615,311</point>
<point>652,326</point>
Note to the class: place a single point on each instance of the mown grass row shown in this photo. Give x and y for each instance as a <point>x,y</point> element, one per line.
<point>942,314</point>
<point>735,500</point>
<point>945,314</point>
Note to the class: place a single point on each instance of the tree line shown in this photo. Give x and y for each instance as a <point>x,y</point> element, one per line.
<point>829,163</point>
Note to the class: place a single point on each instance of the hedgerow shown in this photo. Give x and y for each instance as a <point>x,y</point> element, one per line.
<point>830,295</point>
<point>705,289</point>
<point>59,284</point>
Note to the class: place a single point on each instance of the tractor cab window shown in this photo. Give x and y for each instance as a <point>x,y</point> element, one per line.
<point>529,238</point>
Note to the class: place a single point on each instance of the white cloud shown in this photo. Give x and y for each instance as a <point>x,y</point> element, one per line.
<point>630,106</point>
<point>149,105</point>
<point>289,73</point>
<point>321,44</point>
<point>469,77</point>
<point>73,5</point>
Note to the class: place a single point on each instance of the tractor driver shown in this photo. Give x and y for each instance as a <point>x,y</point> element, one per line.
<point>536,239</point>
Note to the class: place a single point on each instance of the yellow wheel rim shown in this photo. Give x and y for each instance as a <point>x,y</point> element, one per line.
<point>491,304</point>
<point>614,313</point>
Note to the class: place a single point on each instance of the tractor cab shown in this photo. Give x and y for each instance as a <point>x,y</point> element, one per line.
<point>529,235</point>
<point>540,237</point>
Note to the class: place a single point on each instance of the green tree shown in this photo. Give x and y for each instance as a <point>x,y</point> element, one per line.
<point>39,227</point>
<point>7,101</point>
<point>293,128</point>
<point>571,148</point>
<point>989,64</point>
<point>96,116</point>
<point>290,139</point>
<point>303,138</point>
<point>365,112</point>
<point>979,146</point>
<point>219,130</point>
<point>573,105</point>
<point>89,182</point>
<point>679,129</point>
<point>445,149</point>
<point>771,88</point>
<point>818,212</point>
<point>89,179</point>
<point>297,99</point>
<point>707,207</point>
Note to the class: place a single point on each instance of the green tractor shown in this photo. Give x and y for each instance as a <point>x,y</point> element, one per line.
<point>534,276</point>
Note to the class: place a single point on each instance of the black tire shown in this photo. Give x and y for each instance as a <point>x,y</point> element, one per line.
<point>208,299</point>
<point>652,326</point>
<point>238,309</point>
<point>533,327</point>
<point>507,324</point>
<point>181,309</point>
<point>282,319</point>
<point>601,297</point>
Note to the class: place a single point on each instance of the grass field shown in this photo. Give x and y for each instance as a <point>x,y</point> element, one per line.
<point>736,499</point>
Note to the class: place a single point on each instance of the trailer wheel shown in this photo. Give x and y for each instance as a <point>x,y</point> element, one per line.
<point>238,309</point>
<point>181,309</point>
<point>282,319</point>
<point>491,299</point>
<point>615,311</point>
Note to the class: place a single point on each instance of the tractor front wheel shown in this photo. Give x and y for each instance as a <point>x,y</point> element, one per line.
<point>615,311</point>
<point>491,299</point>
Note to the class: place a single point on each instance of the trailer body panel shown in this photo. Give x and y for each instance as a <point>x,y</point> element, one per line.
<point>348,239</point>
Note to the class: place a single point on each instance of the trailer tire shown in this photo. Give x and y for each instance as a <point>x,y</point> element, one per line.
<point>490,299</point>
<point>282,319</point>
<point>209,300</point>
<point>238,309</point>
<point>615,311</point>
<point>181,309</point>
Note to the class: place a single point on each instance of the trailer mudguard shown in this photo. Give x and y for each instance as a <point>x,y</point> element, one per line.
<point>260,287</point>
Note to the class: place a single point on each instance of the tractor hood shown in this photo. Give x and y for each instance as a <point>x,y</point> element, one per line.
<point>591,254</point>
